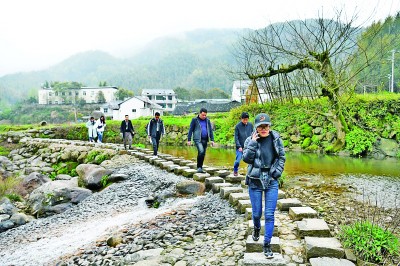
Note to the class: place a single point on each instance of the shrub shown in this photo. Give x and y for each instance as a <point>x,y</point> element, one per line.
<point>306,143</point>
<point>14,197</point>
<point>306,130</point>
<point>7,185</point>
<point>370,242</point>
<point>104,180</point>
<point>359,141</point>
<point>101,157</point>
<point>92,155</point>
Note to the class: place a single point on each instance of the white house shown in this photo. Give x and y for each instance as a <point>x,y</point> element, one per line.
<point>135,107</point>
<point>72,96</point>
<point>165,98</point>
<point>240,87</point>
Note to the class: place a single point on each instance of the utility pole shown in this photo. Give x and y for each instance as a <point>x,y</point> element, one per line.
<point>392,76</point>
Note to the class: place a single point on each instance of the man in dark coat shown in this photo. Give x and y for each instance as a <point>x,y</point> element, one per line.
<point>127,132</point>
<point>155,129</point>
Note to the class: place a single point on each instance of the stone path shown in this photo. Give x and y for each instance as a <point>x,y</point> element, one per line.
<point>297,228</point>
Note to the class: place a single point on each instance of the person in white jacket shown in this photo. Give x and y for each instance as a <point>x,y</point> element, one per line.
<point>100,125</point>
<point>92,131</point>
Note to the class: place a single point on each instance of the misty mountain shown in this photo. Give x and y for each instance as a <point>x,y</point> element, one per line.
<point>195,59</point>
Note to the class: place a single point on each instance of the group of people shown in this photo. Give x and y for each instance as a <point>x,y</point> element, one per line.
<point>259,146</point>
<point>96,129</point>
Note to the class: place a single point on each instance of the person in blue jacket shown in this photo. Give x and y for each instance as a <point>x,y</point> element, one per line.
<point>265,155</point>
<point>200,128</point>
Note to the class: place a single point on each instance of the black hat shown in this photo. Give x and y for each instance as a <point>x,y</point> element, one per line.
<point>244,115</point>
<point>262,119</point>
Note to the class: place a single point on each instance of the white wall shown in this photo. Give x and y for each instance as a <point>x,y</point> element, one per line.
<point>135,108</point>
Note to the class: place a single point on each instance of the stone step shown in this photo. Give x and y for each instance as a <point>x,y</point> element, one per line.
<point>185,162</point>
<point>146,158</point>
<point>158,161</point>
<point>281,194</point>
<point>163,165</point>
<point>179,170</point>
<point>234,179</point>
<point>252,246</point>
<point>243,183</point>
<point>250,227</point>
<point>330,261</point>
<point>224,192</point>
<point>209,181</point>
<point>259,259</point>
<point>222,173</point>
<point>313,227</point>
<point>177,160</point>
<point>299,213</point>
<point>235,197</point>
<point>171,167</point>
<point>217,186</point>
<point>210,170</point>
<point>285,204</point>
<point>243,205</point>
<point>189,172</point>
<point>323,247</point>
<point>192,165</point>
<point>200,176</point>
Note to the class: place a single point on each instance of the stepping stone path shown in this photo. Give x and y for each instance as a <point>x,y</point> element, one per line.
<point>297,229</point>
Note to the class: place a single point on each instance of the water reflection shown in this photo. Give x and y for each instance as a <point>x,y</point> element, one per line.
<point>298,163</point>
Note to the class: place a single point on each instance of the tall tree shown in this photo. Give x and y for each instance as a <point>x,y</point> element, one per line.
<point>100,97</point>
<point>122,94</point>
<point>310,58</point>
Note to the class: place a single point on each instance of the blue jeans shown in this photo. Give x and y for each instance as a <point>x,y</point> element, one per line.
<point>271,198</point>
<point>201,152</point>
<point>100,136</point>
<point>239,155</point>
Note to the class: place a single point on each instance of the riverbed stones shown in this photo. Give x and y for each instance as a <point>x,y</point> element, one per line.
<point>190,187</point>
<point>313,227</point>
<point>285,204</point>
<point>90,175</point>
<point>298,213</point>
<point>259,259</point>
<point>323,247</point>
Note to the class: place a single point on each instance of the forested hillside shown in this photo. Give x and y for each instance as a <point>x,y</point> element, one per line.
<point>193,60</point>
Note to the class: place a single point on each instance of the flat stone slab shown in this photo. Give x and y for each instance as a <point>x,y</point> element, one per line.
<point>179,170</point>
<point>298,213</point>
<point>313,227</point>
<point>151,159</point>
<point>217,186</point>
<point>248,214</point>
<point>234,179</point>
<point>259,259</point>
<point>209,181</point>
<point>330,261</point>
<point>159,161</point>
<point>146,158</point>
<point>210,170</point>
<point>285,204</point>
<point>192,165</point>
<point>200,176</point>
<point>171,167</point>
<point>253,246</point>
<point>224,192</point>
<point>222,173</point>
<point>243,183</point>
<point>163,165</point>
<point>185,162</point>
<point>177,160</point>
<point>189,172</point>
<point>281,194</point>
<point>323,247</point>
<point>250,227</point>
<point>235,197</point>
<point>243,205</point>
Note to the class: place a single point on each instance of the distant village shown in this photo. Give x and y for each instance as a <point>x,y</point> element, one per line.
<point>149,102</point>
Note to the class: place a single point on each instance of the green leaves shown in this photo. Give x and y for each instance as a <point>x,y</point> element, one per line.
<point>359,141</point>
<point>369,241</point>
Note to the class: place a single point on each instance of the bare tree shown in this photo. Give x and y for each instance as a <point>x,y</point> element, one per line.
<point>306,60</point>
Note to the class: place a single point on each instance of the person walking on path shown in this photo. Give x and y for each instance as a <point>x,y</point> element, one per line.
<point>127,132</point>
<point>155,129</point>
<point>100,126</point>
<point>92,131</point>
<point>264,152</point>
<point>243,130</point>
<point>200,128</point>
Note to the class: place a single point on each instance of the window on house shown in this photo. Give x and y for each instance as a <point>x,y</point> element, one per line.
<point>170,98</point>
<point>69,93</point>
<point>76,93</point>
<point>50,94</point>
<point>133,110</point>
<point>105,110</point>
<point>55,102</point>
<point>84,93</point>
<point>169,105</point>
<point>63,93</point>
<point>49,102</point>
<point>158,97</point>
<point>162,105</point>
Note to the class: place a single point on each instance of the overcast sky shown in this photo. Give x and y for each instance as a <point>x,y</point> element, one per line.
<point>35,34</point>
